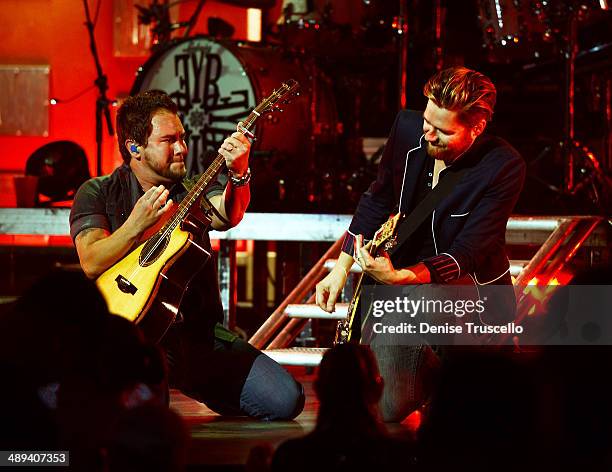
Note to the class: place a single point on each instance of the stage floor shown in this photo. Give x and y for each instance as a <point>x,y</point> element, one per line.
<point>219,442</point>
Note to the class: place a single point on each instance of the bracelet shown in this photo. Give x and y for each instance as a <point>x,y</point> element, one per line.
<point>240,181</point>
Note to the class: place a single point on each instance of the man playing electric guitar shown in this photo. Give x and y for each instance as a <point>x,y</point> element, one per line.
<point>111,213</point>
<point>463,236</point>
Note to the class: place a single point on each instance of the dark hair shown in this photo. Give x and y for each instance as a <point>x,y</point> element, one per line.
<point>463,90</point>
<point>135,114</point>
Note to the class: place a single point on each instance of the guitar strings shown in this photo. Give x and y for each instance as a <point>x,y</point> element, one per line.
<point>199,187</point>
<point>184,208</point>
<point>274,97</point>
<point>248,122</point>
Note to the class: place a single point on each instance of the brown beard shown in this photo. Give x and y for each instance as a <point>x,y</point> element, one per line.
<point>437,152</point>
<point>443,153</point>
<point>166,172</point>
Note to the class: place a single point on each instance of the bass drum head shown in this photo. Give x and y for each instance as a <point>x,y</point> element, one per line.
<point>217,84</point>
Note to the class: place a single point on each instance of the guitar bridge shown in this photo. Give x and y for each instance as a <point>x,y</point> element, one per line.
<point>125,285</point>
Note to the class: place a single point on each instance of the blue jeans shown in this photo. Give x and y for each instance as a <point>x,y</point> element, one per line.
<point>410,371</point>
<point>232,377</point>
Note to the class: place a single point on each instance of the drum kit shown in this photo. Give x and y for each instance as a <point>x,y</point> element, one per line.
<point>299,158</point>
<point>545,32</point>
<point>310,158</point>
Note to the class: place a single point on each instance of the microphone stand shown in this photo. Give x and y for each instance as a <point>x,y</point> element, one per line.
<point>102,102</point>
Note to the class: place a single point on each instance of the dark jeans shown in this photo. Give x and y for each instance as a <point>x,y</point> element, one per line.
<point>410,371</point>
<point>231,377</point>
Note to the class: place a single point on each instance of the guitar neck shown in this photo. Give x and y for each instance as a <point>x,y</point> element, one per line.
<point>204,180</point>
<point>267,105</point>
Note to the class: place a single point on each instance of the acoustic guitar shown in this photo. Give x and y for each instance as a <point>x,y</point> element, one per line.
<point>148,284</point>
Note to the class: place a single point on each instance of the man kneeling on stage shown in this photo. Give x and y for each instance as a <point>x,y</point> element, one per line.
<point>110,215</point>
<point>462,236</point>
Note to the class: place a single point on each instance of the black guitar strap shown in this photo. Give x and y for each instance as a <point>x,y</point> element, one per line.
<point>411,222</point>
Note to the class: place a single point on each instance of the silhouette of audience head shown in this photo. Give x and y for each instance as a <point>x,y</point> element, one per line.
<point>25,422</point>
<point>51,324</point>
<point>349,385</point>
<point>349,434</point>
<point>87,365</point>
<point>116,372</point>
<point>123,359</point>
<point>148,438</point>
<point>483,412</point>
<point>349,368</point>
<point>578,409</point>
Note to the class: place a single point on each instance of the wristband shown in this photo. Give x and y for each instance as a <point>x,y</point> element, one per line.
<point>240,181</point>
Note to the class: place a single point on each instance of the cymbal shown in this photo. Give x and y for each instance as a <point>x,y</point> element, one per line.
<point>263,4</point>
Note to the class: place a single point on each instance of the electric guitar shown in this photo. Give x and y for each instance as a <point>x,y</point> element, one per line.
<point>147,285</point>
<point>384,238</point>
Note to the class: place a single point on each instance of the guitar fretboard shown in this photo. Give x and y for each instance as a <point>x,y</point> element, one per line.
<point>193,195</point>
<point>202,183</point>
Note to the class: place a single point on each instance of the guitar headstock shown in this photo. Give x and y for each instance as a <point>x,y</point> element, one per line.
<point>280,96</point>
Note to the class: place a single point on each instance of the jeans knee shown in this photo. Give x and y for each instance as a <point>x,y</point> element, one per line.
<point>288,404</point>
<point>271,393</point>
<point>295,404</point>
<point>396,412</point>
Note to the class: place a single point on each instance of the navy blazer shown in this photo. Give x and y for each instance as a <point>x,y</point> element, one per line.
<point>469,225</point>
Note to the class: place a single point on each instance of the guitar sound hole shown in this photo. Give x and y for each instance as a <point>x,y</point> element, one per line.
<point>152,249</point>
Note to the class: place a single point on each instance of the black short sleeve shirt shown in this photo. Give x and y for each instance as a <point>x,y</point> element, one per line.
<point>106,202</point>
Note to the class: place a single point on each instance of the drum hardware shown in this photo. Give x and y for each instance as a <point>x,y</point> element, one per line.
<point>102,101</point>
<point>577,157</point>
<point>219,28</point>
<point>515,30</point>
<point>223,94</point>
<point>215,83</point>
<point>193,19</point>
<point>593,187</point>
<point>311,31</point>
<point>158,14</point>
<point>440,17</point>
<point>582,172</point>
<point>61,168</point>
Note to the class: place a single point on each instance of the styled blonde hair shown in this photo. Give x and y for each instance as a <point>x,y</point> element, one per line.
<point>463,90</point>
